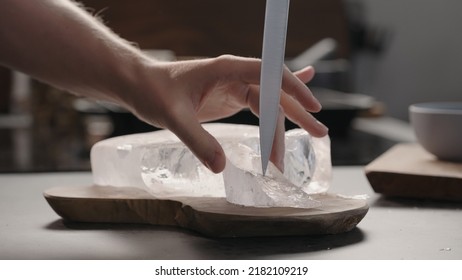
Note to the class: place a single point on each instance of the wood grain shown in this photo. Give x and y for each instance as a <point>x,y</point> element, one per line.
<point>407,170</point>
<point>210,216</point>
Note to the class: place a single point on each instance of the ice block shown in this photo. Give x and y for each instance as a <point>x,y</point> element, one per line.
<point>160,163</point>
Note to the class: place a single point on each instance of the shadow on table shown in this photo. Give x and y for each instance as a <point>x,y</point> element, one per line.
<point>262,247</point>
<point>146,240</point>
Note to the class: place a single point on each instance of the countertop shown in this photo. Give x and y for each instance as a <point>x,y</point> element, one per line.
<point>392,229</point>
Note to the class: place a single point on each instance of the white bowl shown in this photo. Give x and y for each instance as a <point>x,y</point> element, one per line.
<point>438,128</point>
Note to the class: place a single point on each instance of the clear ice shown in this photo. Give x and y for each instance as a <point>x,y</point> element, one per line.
<point>160,163</point>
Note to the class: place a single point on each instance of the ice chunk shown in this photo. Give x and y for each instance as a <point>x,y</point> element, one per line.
<point>171,169</point>
<point>160,163</point>
<point>245,185</point>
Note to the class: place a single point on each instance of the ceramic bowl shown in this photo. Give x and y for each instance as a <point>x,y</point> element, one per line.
<point>438,128</point>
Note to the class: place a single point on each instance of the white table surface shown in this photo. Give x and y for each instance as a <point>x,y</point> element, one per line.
<point>392,229</point>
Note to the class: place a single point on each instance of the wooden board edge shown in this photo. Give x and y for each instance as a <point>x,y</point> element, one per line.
<point>405,186</point>
<point>175,213</point>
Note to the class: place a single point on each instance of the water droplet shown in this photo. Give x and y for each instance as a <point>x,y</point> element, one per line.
<point>446,249</point>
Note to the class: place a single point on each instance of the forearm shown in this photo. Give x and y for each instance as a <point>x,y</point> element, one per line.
<point>57,42</point>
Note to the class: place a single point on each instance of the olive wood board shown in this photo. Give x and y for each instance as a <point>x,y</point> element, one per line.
<point>407,170</point>
<point>211,216</point>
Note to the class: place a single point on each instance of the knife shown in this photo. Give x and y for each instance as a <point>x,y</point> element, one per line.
<point>274,43</point>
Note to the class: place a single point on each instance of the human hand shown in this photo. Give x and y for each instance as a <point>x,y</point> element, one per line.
<point>175,95</point>
<point>182,94</point>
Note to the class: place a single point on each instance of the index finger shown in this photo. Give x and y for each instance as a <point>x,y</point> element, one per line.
<point>249,69</point>
<point>296,87</point>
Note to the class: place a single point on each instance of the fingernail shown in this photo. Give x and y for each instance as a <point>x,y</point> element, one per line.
<point>318,106</point>
<point>209,162</point>
<point>323,127</point>
<point>214,163</point>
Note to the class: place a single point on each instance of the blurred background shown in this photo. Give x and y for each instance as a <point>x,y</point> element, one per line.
<point>373,59</point>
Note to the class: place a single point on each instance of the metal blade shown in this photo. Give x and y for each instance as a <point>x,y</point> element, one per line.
<point>274,43</point>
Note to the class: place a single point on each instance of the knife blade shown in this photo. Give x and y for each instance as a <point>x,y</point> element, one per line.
<point>274,44</point>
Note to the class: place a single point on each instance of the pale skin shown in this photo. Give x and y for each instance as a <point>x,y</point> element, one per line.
<point>57,42</point>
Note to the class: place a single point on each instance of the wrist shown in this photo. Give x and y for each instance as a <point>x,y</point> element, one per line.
<point>136,85</point>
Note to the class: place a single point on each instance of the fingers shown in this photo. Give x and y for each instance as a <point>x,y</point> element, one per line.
<point>296,113</point>
<point>295,86</point>
<point>244,69</point>
<point>293,110</point>
<point>296,97</point>
<point>278,150</point>
<point>203,145</point>
<point>301,117</point>
<point>305,75</point>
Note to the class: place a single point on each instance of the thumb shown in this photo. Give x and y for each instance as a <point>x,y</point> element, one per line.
<point>201,143</point>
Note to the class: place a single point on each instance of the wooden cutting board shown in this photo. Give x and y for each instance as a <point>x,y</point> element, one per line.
<point>407,170</point>
<point>213,217</point>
